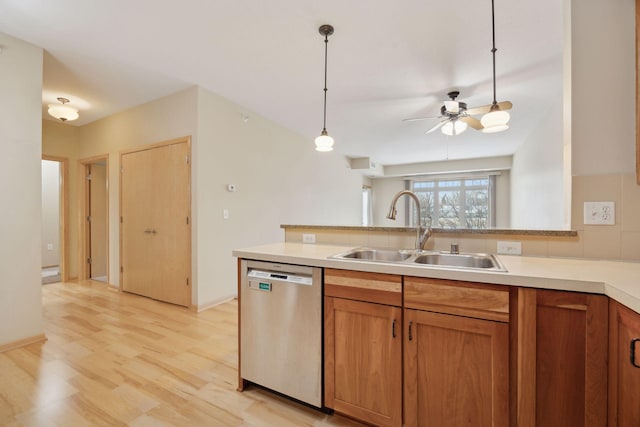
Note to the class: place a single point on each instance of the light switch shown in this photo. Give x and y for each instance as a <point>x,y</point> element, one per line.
<point>225,213</point>
<point>599,213</point>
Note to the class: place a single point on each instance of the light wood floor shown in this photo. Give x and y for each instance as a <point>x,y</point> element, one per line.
<point>114,359</point>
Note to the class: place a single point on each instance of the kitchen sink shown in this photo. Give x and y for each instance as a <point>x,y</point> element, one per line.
<point>380,255</point>
<point>481,261</point>
<point>473,261</point>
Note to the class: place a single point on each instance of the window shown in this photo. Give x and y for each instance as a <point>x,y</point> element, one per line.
<point>456,202</point>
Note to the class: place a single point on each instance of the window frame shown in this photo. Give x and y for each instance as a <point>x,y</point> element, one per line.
<point>436,179</point>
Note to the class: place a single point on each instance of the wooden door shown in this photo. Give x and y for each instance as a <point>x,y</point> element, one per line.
<point>624,366</point>
<point>98,222</point>
<point>456,370</point>
<point>155,222</point>
<point>562,358</point>
<point>363,360</point>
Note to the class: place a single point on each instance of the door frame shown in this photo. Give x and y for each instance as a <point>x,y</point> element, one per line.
<point>85,236</point>
<point>180,140</point>
<point>64,209</point>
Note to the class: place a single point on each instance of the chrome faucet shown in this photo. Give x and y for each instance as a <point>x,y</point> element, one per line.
<point>421,237</point>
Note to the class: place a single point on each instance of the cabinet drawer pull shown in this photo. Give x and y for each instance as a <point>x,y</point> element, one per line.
<point>633,352</point>
<point>393,328</point>
<point>410,336</point>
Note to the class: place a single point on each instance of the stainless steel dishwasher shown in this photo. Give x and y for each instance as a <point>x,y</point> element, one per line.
<point>281,328</point>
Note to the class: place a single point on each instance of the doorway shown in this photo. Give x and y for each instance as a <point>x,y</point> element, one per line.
<point>94,257</point>
<point>54,221</point>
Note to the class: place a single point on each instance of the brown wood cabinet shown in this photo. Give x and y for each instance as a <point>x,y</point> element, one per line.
<point>624,366</point>
<point>363,346</point>
<point>456,366</point>
<point>562,358</point>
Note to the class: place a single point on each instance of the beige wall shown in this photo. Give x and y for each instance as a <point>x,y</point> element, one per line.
<point>160,120</point>
<point>537,188</point>
<point>603,87</point>
<point>50,213</point>
<point>603,127</point>
<point>20,169</point>
<point>279,177</point>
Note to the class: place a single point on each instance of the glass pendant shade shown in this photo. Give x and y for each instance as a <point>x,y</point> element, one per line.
<point>63,112</point>
<point>455,127</point>
<point>324,142</point>
<point>495,121</point>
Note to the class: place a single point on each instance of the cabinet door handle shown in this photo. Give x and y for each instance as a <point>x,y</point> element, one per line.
<point>410,336</point>
<point>393,328</point>
<point>633,352</point>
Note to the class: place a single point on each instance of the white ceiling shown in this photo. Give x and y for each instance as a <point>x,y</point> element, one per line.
<point>388,60</point>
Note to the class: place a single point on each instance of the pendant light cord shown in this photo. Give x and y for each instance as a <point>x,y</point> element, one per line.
<point>493,50</point>
<point>324,120</point>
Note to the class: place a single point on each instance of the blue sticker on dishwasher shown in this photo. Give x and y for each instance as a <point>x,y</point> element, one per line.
<point>264,286</point>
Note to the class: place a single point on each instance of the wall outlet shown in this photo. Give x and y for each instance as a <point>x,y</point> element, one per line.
<point>510,248</point>
<point>599,213</point>
<point>308,238</point>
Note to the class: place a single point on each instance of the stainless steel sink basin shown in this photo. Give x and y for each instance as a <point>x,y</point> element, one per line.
<point>380,255</point>
<point>473,261</point>
<point>443,259</point>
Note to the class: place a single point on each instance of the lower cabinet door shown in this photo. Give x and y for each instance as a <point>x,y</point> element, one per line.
<point>562,358</point>
<point>456,370</point>
<point>363,360</point>
<point>624,366</point>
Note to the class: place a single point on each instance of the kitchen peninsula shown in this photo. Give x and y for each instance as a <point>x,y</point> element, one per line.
<point>504,345</point>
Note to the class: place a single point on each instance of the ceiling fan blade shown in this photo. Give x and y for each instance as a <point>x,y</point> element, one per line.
<point>436,127</point>
<point>479,110</point>
<point>415,119</point>
<point>504,105</point>
<point>472,121</point>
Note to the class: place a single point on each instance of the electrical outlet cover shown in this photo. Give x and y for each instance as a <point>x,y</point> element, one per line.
<point>599,213</point>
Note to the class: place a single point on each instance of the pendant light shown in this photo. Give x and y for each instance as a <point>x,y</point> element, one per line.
<point>62,111</point>
<point>324,142</point>
<point>496,119</point>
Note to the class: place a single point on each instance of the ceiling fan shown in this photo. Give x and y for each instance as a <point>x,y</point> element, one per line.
<point>456,117</point>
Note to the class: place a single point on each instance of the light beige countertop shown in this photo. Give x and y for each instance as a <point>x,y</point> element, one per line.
<point>616,279</point>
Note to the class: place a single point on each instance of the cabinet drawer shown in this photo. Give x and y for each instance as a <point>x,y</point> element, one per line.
<point>490,302</point>
<point>357,285</point>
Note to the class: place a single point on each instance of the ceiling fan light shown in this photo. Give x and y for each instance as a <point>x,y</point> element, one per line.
<point>452,106</point>
<point>63,112</point>
<point>324,142</point>
<point>495,129</point>
<point>495,121</point>
<point>454,127</point>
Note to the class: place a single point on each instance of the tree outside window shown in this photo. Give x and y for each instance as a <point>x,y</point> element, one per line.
<point>456,203</point>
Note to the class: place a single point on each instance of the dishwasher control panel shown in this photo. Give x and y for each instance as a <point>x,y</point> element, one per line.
<point>282,277</point>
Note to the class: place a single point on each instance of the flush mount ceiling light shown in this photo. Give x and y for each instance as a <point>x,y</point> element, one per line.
<point>62,111</point>
<point>496,119</point>
<point>324,142</point>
